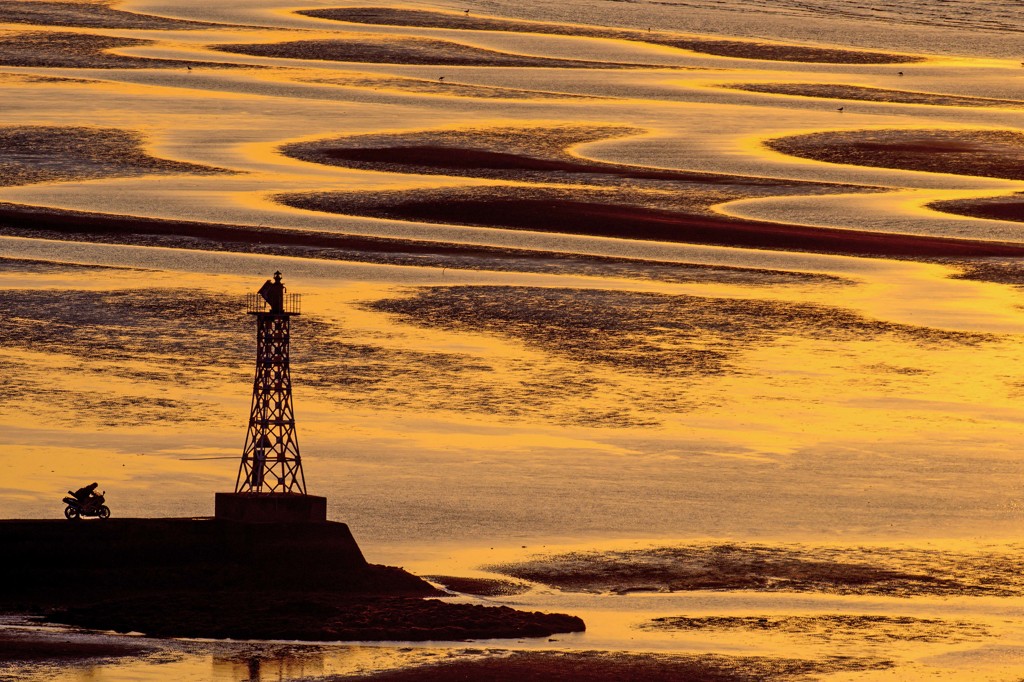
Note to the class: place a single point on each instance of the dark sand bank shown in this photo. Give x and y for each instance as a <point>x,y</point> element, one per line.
<point>603,214</point>
<point>119,334</point>
<point>1001,271</point>
<point>87,15</point>
<point>21,646</point>
<point>646,203</point>
<point>1009,208</point>
<point>445,88</point>
<point>655,334</point>
<point>313,617</point>
<point>480,587</point>
<point>45,267</point>
<point>194,578</point>
<point>894,572</point>
<point>986,153</point>
<point>127,334</point>
<point>831,627</point>
<point>866,94</point>
<point>61,49</point>
<point>376,49</point>
<point>600,666</point>
<point>46,223</point>
<point>30,154</point>
<point>8,77</point>
<point>528,154</point>
<point>382,16</point>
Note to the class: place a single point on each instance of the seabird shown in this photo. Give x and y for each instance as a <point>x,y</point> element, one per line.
<point>840,109</point>
<point>900,73</point>
<point>440,78</point>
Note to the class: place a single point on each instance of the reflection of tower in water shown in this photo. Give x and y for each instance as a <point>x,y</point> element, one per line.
<point>270,460</point>
<point>271,662</point>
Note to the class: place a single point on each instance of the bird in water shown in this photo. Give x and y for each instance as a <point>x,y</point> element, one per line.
<point>840,109</point>
<point>467,12</point>
<point>440,78</point>
<point>188,67</point>
<point>900,73</point>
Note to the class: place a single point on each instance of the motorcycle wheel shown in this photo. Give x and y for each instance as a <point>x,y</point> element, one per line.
<point>103,512</point>
<point>70,513</point>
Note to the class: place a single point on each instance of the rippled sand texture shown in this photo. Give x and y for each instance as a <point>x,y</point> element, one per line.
<point>700,323</point>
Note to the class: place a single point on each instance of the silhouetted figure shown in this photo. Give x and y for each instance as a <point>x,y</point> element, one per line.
<point>86,494</point>
<point>467,12</point>
<point>840,109</point>
<point>86,502</point>
<point>900,73</point>
<point>440,78</point>
<point>273,294</point>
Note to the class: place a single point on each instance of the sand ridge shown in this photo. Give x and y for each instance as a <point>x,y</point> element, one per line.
<point>88,14</point>
<point>623,215</point>
<point>860,93</point>
<point>35,222</point>
<point>33,154</point>
<point>984,153</point>
<point>65,49</point>
<point>375,49</point>
<point>890,571</point>
<point>722,48</point>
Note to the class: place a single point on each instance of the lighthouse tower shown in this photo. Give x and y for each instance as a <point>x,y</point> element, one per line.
<point>270,460</point>
<point>271,486</point>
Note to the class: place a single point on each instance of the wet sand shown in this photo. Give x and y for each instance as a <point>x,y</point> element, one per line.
<point>21,646</point>
<point>446,88</point>
<point>994,208</point>
<point>374,49</point>
<point>535,154</point>
<point>723,48</point>
<point>480,587</point>
<point>55,153</point>
<point>657,334</point>
<point>886,571</point>
<point>312,617</point>
<point>87,14</point>
<point>60,49</point>
<point>832,627</point>
<point>563,212</point>
<point>859,93</point>
<point>594,666</point>
<point>647,203</point>
<point>985,153</point>
<point>30,221</point>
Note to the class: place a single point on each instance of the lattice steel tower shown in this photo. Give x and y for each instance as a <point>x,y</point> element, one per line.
<point>270,460</point>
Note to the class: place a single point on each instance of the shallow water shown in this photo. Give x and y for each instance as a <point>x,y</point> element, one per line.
<point>460,417</point>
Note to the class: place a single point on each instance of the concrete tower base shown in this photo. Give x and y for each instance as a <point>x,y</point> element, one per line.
<point>270,508</point>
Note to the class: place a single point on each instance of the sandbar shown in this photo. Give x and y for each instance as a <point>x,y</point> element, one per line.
<point>724,48</point>
<point>861,93</point>
<point>376,49</point>
<point>985,153</point>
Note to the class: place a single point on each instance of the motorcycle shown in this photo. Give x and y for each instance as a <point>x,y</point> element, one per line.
<point>92,507</point>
